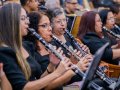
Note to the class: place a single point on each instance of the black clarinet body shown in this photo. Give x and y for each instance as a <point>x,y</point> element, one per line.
<point>116,26</point>
<point>69,50</point>
<point>76,43</point>
<point>99,72</point>
<point>49,46</point>
<point>112,33</point>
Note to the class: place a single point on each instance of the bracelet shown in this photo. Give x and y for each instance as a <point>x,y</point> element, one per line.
<point>48,71</point>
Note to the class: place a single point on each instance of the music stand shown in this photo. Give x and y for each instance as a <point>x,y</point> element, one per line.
<point>93,67</point>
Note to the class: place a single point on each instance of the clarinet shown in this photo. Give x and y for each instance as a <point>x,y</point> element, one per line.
<point>99,72</point>
<point>112,33</point>
<point>116,26</point>
<point>105,78</point>
<point>76,43</point>
<point>74,54</point>
<point>49,46</point>
<point>70,51</point>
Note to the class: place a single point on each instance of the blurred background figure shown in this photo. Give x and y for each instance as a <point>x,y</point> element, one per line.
<point>116,11</point>
<point>71,6</point>
<point>30,5</point>
<point>52,4</point>
<point>117,1</point>
<point>2,2</point>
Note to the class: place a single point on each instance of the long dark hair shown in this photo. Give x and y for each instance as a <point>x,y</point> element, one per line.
<point>87,23</point>
<point>103,15</point>
<point>10,33</point>
<point>34,18</point>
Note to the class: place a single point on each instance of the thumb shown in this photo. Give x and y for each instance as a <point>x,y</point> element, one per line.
<point>1,66</point>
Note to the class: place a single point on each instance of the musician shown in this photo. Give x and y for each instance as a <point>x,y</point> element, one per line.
<point>110,29</point>
<point>91,35</point>
<point>52,4</point>
<point>116,11</point>
<point>21,69</point>
<point>30,5</point>
<point>59,25</point>
<point>108,21</point>
<point>70,7</point>
<point>102,3</point>
<point>45,31</point>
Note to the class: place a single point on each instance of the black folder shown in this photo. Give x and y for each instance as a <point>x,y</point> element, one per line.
<point>93,67</point>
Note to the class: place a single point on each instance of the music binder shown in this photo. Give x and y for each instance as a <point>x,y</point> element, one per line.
<point>93,67</point>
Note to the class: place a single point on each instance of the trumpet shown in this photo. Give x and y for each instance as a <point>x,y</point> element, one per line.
<point>50,47</point>
<point>112,33</point>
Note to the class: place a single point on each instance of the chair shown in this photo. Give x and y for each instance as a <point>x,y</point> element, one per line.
<point>112,70</point>
<point>75,26</point>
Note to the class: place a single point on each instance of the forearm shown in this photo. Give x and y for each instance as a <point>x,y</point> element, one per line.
<point>66,77</point>
<point>50,69</point>
<point>44,74</point>
<point>116,53</point>
<point>114,46</point>
<point>5,85</point>
<point>41,83</point>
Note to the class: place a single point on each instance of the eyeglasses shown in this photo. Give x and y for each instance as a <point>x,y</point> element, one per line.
<point>23,17</point>
<point>99,20</point>
<point>46,26</point>
<point>111,19</point>
<point>36,1</point>
<point>73,3</point>
<point>60,21</point>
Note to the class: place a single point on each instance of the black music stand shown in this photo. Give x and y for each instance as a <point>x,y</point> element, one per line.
<point>93,67</point>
